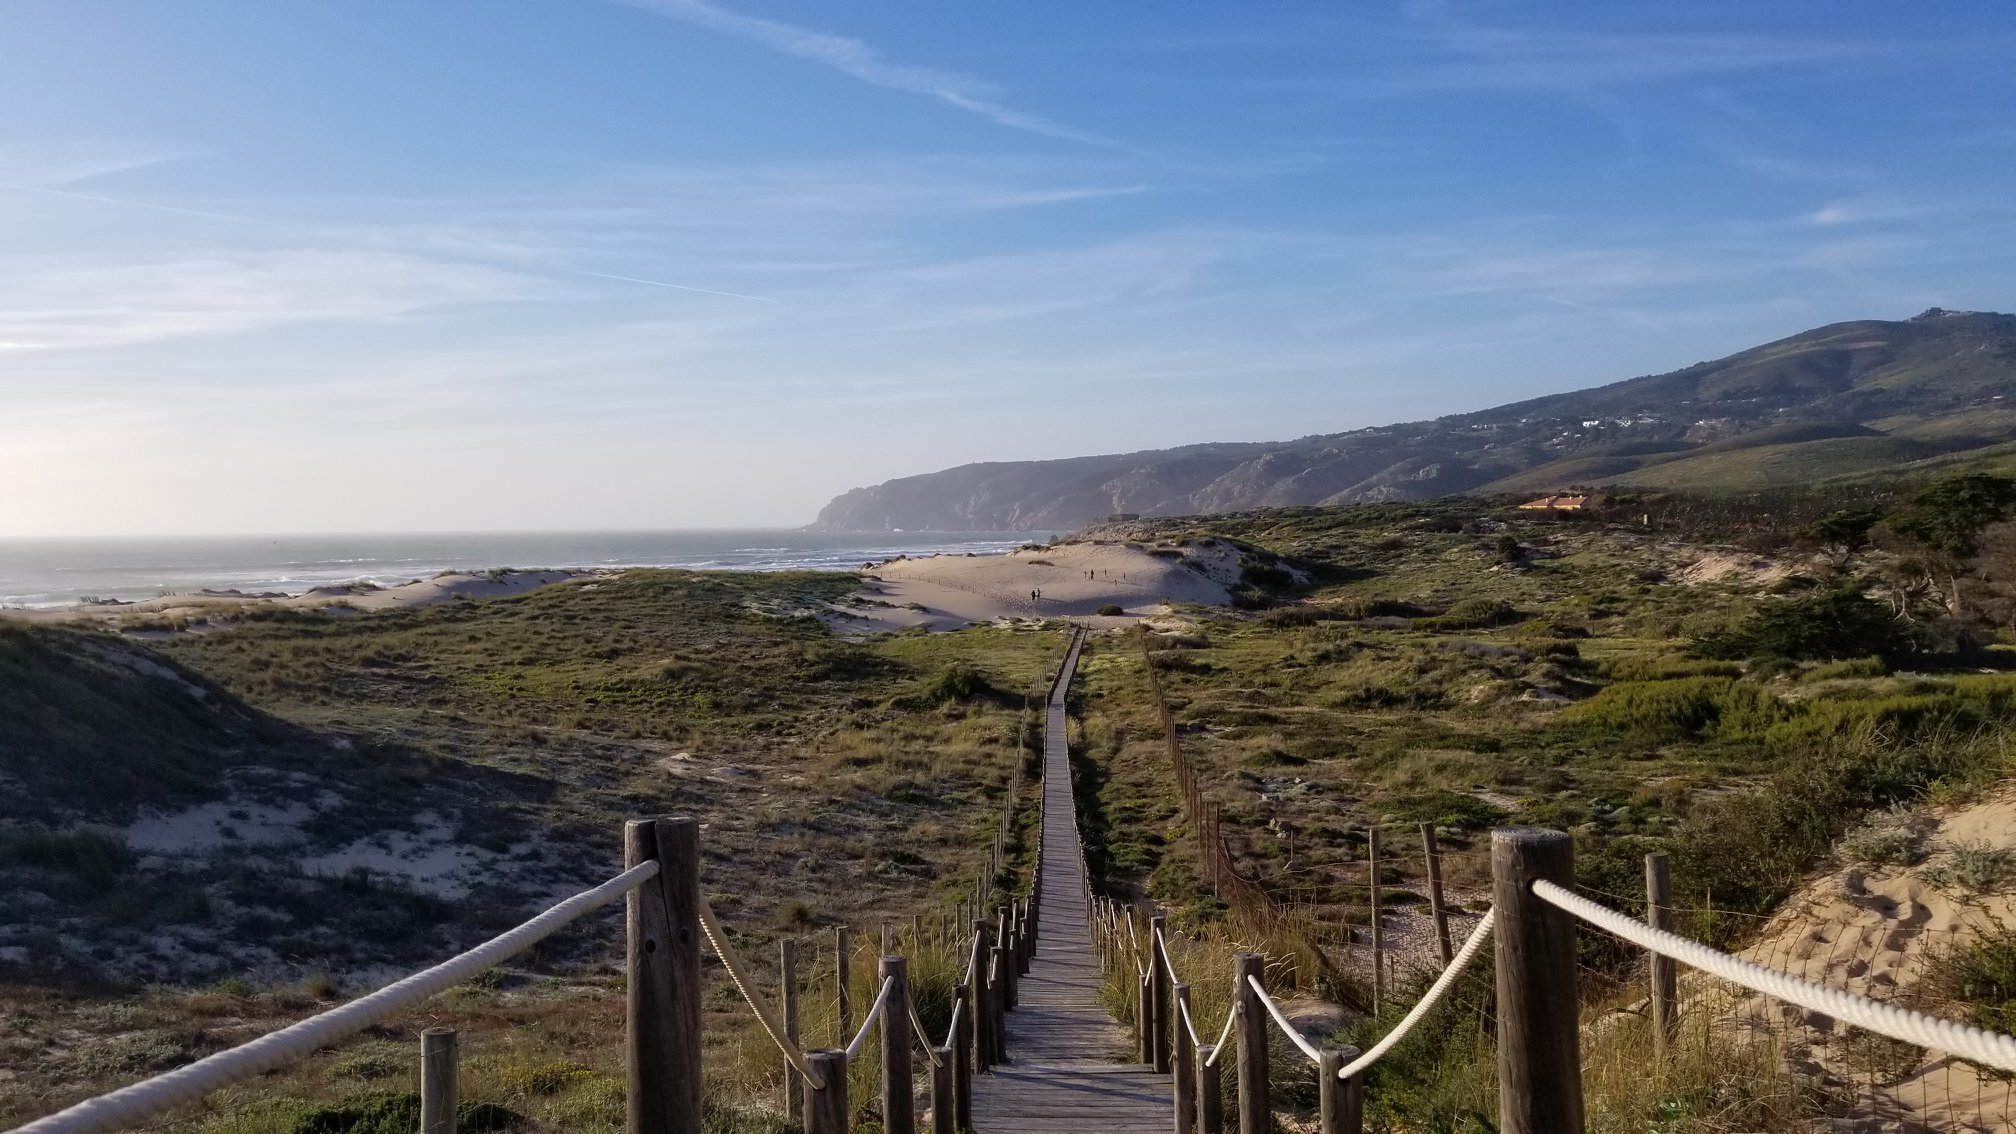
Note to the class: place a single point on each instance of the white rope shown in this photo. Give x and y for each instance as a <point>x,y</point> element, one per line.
<point>129,1105</point>
<point>764,1016</point>
<point>952,1028</point>
<point>1218,1049</point>
<point>1991,1048</point>
<point>1162,950</point>
<point>1428,1000</point>
<point>1189,1025</point>
<point>1288,1029</point>
<point>923,1037</point>
<point>881,1002</point>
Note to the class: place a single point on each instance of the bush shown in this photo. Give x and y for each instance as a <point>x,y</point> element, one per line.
<point>1823,626</point>
<point>1447,809</point>
<point>1980,976</point>
<point>1854,667</point>
<point>1472,614</point>
<point>1660,712</point>
<point>1112,610</point>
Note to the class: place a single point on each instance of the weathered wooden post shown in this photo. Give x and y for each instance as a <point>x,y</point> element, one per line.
<point>826,1105</point>
<point>1210,1097</point>
<point>1158,994</point>
<point>662,999</point>
<point>962,1055</point>
<point>1436,908</point>
<point>1340,1105</point>
<point>1250,1032</point>
<point>1378,922</point>
<point>843,952</point>
<point>983,1003</point>
<point>943,1108</point>
<point>787,988</point>
<point>1539,1045</point>
<point>440,1083</point>
<point>1665,977</point>
<point>1004,959</point>
<point>1144,1019</point>
<point>898,1099</point>
<point>1185,1078</point>
<point>1001,977</point>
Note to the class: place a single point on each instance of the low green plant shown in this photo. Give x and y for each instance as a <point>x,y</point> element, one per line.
<point>1971,866</point>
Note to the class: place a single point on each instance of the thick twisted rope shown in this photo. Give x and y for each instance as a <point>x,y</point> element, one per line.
<point>1189,1025</point>
<point>1991,1048</point>
<point>130,1105</point>
<point>874,1012</point>
<point>1428,1001</point>
<point>923,1037</point>
<point>1219,1048</point>
<point>764,1016</point>
<point>1280,1021</point>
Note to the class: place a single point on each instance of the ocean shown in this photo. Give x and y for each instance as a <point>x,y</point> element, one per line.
<point>44,573</point>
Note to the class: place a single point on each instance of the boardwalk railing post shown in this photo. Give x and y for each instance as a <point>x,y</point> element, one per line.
<point>439,1083</point>
<point>943,1108</point>
<point>1004,960</point>
<point>1340,1105</point>
<point>1210,1099</point>
<point>1539,1045</point>
<point>787,984</point>
<point>1000,979</point>
<point>825,1107</point>
<point>662,1000</point>
<point>1659,915</point>
<point>983,1003</point>
<point>1251,1034</point>
<point>1158,995</point>
<point>1144,1019</point>
<point>1436,908</point>
<point>1184,1080</point>
<point>898,1094</point>
<point>962,1055</point>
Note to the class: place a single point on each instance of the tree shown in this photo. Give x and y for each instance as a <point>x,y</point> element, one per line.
<point>1839,535</point>
<point>1945,521</point>
<point>1823,626</point>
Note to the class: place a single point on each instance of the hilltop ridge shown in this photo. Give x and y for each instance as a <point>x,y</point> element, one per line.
<point>1841,400</point>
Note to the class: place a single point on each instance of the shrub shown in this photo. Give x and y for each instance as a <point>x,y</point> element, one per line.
<point>95,857</point>
<point>1980,976</point>
<point>1853,667</point>
<point>1665,711</point>
<point>1973,867</point>
<point>1112,610</point>
<point>1823,626</point>
<point>1472,614</point>
<point>1447,809</point>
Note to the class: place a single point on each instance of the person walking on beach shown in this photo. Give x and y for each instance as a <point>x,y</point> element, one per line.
<point>1032,596</point>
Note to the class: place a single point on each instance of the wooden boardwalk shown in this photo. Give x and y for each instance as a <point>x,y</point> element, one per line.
<point>1069,1065</point>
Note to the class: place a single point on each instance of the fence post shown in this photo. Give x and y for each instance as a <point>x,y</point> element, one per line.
<point>983,1003</point>
<point>1251,1034</point>
<point>899,1108</point>
<point>962,1055</point>
<point>825,1107</point>
<point>1539,1046</point>
<point>1436,908</point>
<point>1378,922</point>
<point>1158,994</point>
<point>1004,961</point>
<point>1144,1019</point>
<point>1185,1077</point>
<point>942,1106</point>
<point>1210,1100</point>
<point>1659,915</point>
<point>787,984</point>
<point>662,998</point>
<point>843,948</point>
<point>1340,1105</point>
<point>439,1082</point>
<point>1002,980</point>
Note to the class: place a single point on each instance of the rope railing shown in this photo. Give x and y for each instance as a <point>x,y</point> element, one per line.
<point>130,1105</point>
<point>1978,1044</point>
<point>1436,993</point>
<point>773,1027</point>
<point>874,1014</point>
<point>1218,1047</point>
<point>923,1036</point>
<point>1281,1021</point>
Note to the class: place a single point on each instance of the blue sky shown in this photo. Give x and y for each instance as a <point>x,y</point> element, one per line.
<point>521,264</point>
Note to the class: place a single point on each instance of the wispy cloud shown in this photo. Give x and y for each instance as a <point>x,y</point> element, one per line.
<point>859,60</point>
<point>50,165</point>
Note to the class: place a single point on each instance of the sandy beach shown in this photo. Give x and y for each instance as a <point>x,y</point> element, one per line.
<point>1066,580</point>
<point>448,587</point>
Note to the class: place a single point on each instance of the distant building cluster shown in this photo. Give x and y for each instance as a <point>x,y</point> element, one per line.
<point>1556,504</point>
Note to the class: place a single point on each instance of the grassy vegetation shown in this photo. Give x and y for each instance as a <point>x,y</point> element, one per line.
<point>838,782</point>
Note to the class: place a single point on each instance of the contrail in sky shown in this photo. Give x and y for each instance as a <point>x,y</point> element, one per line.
<point>96,199</point>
